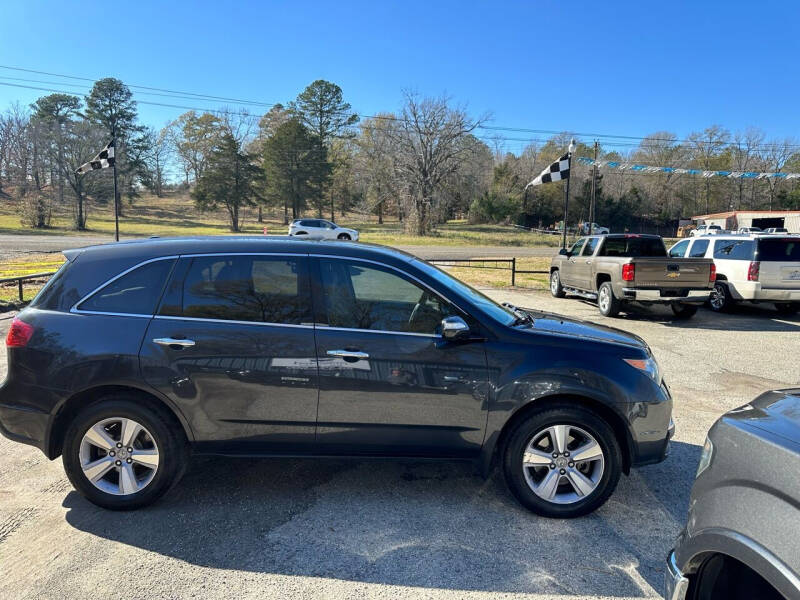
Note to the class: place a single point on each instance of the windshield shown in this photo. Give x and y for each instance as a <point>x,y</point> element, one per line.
<point>498,312</point>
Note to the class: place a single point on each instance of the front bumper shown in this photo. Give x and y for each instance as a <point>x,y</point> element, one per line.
<point>675,583</point>
<point>681,295</point>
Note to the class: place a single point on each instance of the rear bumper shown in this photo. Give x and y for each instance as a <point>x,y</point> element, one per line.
<point>21,421</point>
<point>752,290</point>
<point>680,295</point>
<point>675,583</point>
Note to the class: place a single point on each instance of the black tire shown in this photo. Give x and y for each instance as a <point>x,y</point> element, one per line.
<point>721,299</point>
<point>526,430</point>
<point>168,436</point>
<point>344,237</point>
<point>787,308</point>
<point>684,311</point>
<point>611,306</point>
<point>556,289</point>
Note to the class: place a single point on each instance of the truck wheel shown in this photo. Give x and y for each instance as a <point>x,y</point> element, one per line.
<point>720,299</point>
<point>122,454</point>
<point>562,462</point>
<point>608,304</point>
<point>787,308</point>
<point>684,311</point>
<point>555,285</point>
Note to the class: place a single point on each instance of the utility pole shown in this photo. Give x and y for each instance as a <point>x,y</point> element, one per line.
<point>594,190</point>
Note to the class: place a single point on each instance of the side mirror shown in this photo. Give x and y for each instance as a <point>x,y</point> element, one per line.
<point>454,329</point>
<point>563,252</point>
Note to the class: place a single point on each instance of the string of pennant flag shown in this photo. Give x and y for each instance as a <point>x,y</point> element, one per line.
<point>627,166</point>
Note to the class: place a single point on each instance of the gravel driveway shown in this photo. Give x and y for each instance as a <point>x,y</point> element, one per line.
<point>336,529</point>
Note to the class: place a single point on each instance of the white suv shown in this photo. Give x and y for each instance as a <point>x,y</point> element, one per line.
<point>320,229</point>
<point>753,268</point>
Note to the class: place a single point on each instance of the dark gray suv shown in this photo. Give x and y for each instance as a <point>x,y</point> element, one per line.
<point>138,354</point>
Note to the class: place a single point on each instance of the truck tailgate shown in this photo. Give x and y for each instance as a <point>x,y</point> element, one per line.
<point>672,272</point>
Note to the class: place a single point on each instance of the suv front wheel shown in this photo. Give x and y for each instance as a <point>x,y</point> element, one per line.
<point>562,462</point>
<point>122,454</point>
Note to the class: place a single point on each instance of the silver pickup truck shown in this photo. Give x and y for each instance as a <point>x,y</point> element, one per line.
<point>619,268</point>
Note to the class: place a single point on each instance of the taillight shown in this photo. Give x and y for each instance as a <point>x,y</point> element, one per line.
<point>752,272</point>
<point>712,276</point>
<point>628,272</point>
<point>19,334</point>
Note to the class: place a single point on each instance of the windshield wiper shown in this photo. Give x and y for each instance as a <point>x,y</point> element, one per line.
<point>520,316</point>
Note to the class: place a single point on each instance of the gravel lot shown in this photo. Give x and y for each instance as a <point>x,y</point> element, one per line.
<point>333,529</point>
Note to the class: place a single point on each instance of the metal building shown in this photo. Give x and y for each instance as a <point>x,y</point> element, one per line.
<point>732,220</point>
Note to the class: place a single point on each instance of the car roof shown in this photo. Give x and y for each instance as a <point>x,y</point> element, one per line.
<point>147,248</point>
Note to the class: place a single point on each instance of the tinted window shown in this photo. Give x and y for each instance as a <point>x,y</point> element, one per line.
<point>591,245</point>
<point>679,249</point>
<point>698,249</point>
<point>135,293</point>
<point>358,296</point>
<point>576,247</point>
<point>51,296</point>
<point>262,289</point>
<point>787,250</point>
<point>734,249</point>
<point>633,246</point>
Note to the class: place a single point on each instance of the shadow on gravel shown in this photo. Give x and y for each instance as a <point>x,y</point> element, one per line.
<point>422,524</point>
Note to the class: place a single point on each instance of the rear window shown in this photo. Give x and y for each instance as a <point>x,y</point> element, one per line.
<point>633,246</point>
<point>734,249</point>
<point>135,293</point>
<point>786,250</point>
<point>50,296</point>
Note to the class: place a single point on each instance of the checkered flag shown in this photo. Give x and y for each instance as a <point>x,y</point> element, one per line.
<point>556,172</point>
<point>103,160</point>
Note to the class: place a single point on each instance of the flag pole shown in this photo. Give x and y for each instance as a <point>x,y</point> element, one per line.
<point>116,203</point>
<point>566,195</point>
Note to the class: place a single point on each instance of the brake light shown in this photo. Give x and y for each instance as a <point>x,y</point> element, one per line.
<point>628,271</point>
<point>19,334</point>
<point>752,272</point>
<point>712,276</point>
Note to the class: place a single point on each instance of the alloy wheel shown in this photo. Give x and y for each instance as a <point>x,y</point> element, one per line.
<point>119,456</point>
<point>554,283</point>
<point>603,299</point>
<point>717,298</point>
<point>563,464</point>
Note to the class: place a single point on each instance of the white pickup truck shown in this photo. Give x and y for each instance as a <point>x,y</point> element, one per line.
<point>750,268</point>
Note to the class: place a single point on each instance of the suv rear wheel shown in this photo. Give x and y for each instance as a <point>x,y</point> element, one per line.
<point>562,462</point>
<point>122,454</point>
<point>720,299</point>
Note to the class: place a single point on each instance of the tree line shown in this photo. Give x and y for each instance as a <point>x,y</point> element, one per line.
<point>423,164</point>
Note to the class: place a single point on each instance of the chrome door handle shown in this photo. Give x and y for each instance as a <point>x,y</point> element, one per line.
<point>348,354</point>
<point>183,343</point>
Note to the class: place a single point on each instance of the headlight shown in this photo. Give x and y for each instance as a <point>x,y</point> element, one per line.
<point>648,365</point>
<point>705,457</point>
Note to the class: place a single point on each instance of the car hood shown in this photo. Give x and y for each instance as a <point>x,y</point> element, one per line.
<point>552,323</point>
<point>776,412</point>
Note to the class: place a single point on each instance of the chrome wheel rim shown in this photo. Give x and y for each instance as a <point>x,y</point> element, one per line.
<point>563,464</point>
<point>717,298</point>
<point>554,282</point>
<point>119,456</point>
<point>604,299</point>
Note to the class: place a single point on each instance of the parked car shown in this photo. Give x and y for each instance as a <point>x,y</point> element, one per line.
<point>137,354</point>
<point>749,230</point>
<point>593,229</point>
<point>706,230</point>
<point>620,268</point>
<point>776,230</point>
<point>320,229</point>
<point>753,268</point>
<point>741,538</point>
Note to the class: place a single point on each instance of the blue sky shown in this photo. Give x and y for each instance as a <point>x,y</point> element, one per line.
<point>627,68</point>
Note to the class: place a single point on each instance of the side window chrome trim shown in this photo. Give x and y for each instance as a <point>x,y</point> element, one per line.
<point>74,309</point>
<point>260,323</point>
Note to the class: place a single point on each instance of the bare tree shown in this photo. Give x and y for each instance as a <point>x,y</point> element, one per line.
<point>428,138</point>
<point>775,155</point>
